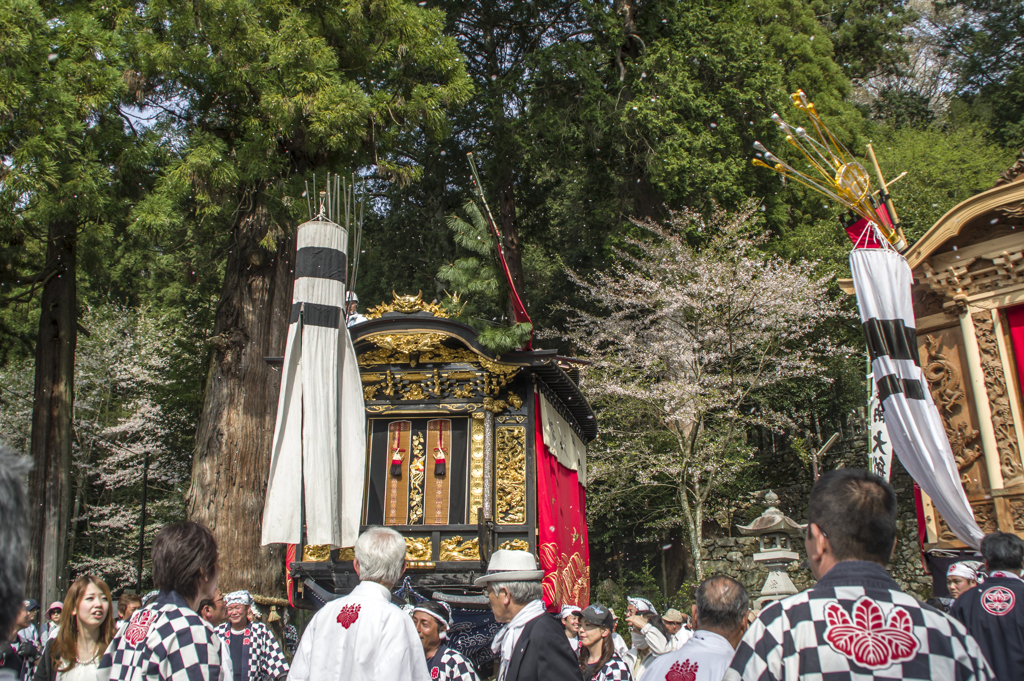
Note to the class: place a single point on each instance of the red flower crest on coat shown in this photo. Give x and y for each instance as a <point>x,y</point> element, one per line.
<point>682,671</point>
<point>997,601</point>
<point>139,626</point>
<point>868,638</point>
<point>435,672</point>
<point>348,615</point>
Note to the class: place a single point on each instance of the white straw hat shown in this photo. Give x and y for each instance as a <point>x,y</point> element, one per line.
<point>511,566</point>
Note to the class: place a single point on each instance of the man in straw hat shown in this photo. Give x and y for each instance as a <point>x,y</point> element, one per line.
<point>532,646</point>
<point>255,653</point>
<point>363,636</point>
<point>433,619</point>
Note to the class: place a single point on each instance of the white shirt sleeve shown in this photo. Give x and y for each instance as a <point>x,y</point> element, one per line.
<point>656,641</point>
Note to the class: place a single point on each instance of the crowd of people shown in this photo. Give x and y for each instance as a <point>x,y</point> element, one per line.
<point>855,623</point>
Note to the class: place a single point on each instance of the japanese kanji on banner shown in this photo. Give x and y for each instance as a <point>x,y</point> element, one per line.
<point>880,447</point>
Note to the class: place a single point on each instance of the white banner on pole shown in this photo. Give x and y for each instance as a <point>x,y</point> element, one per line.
<point>883,281</point>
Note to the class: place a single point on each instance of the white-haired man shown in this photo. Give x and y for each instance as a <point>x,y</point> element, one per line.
<point>363,636</point>
<point>532,646</point>
<point>253,649</point>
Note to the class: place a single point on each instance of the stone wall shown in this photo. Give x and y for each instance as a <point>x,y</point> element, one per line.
<point>732,554</point>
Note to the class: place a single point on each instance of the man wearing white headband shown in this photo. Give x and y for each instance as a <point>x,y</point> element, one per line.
<point>648,635</point>
<point>433,619</point>
<point>571,623</point>
<point>255,653</point>
<point>363,636</point>
<point>962,576</point>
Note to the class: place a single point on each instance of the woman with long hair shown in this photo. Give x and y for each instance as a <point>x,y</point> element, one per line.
<point>87,628</point>
<point>598,659</point>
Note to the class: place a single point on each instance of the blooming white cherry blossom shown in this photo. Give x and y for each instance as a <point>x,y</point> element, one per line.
<point>696,324</point>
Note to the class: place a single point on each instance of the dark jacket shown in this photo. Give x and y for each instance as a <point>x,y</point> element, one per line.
<point>46,669</point>
<point>993,613</point>
<point>543,653</point>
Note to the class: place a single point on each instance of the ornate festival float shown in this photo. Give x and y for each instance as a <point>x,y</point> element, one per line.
<point>944,324</point>
<point>405,420</point>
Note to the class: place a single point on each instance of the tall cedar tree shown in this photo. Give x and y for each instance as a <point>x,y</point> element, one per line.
<point>264,94</point>
<point>70,163</point>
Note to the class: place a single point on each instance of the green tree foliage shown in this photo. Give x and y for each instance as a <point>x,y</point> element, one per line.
<point>480,278</point>
<point>985,39</point>
<point>944,167</point>
<point>867,35</point>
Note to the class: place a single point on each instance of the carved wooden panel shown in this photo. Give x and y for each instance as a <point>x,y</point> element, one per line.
<point>999,399</point>
<point>984,515</point>
<point>1017,512</point>
<point>945,369</point>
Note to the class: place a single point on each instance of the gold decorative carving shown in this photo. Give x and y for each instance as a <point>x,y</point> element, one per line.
<point>510,486</point>
<point>995,386</point>
<point>406,305</point>
<point>515,545</point>
<point>406,409</point>
<point>417,549</point>
<point>456,549</point>
<point>947,391</point>
<point>369,391</point>
<point>346,554</point>
<point>476,465</point>
<point>1017,511</point>
<point>416,480</point>
<point>511,418</point>
<point>985,516</point>
<point>316,553</point>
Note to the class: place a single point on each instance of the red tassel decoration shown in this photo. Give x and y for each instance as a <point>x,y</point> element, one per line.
<point>396,457</point>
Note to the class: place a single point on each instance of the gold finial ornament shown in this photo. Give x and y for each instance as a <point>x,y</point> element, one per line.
<point>406,305</point>
<point>836,173</point>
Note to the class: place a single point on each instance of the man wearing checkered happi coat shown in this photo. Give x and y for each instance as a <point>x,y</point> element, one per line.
<point>266,661</point>
<point>165,641</point>
<point>453,667</point>
<point>855,623</point>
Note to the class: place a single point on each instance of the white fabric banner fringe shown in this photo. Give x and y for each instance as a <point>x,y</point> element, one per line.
<point>883,281</point>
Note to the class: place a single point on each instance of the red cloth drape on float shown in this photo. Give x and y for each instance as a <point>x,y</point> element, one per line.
<point>562,532</point>
<point>1015,321</point>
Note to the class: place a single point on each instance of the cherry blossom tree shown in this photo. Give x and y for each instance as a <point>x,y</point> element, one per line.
<point>119,418</point>
<point>692,330</point>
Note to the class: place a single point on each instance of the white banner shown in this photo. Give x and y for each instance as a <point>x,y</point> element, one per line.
<point>883,282</point>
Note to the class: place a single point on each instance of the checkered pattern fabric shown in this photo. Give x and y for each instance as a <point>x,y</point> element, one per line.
<point>291,638</point>
<point>266,661</point>
<point>453,667</point>
<point>856,624</point>
<point>614,670</point>
<point>164,641</point>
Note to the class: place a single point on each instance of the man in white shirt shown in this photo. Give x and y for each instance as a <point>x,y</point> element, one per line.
<point>571,623</point>
<point>363,636</point>
<point>719,622</point>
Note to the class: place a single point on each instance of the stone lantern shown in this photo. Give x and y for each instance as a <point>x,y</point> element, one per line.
<point>774,532</point>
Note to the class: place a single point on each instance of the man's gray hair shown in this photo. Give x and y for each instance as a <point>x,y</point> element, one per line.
<point>521,593</point>
<point>13,537</point>
<point>722,604</point>
<point>381,555</point>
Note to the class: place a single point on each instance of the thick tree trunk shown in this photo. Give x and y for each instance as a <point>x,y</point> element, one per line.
<point>236,427</point>
<point>52,413</point>
<point>509,226</point>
